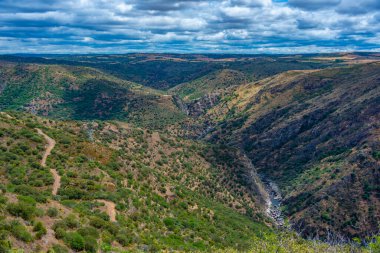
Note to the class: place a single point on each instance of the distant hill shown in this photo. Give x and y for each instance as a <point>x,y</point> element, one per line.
<point>213,83</point>
<point>164,71</point>
<point>69,92</point>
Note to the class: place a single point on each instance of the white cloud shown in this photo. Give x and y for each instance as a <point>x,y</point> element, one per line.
<point>124,8</point>
<point>237,11</point>
<point>227,25</point>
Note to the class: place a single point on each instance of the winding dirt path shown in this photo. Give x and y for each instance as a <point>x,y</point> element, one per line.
<point>109,205</point>
<point>110,208</point>
<point>49,147</point>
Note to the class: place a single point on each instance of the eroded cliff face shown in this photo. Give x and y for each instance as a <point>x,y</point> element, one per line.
<point>315,133</point>
<point>201,105</point>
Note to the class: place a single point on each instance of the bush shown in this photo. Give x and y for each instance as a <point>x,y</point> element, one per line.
<point>72,193</point>
<point>71,222</point>
<point>20,232</point>
<point>58,249</point>
<point>5,246</point>
<point>3,200</point>
<point>40,230</point>
<point>59,233</point>
<point>375,244</point>
<point>27,190</point>
<point>88,231</point>
<point>74,240</point>
<point>52,212</point>
<point>97,222</point>
<point>170,223</point>
<point>27,200</point>
<point>90,245</point>
<point>24,210</point>
<point>107,238</point>
<point>123,238</point>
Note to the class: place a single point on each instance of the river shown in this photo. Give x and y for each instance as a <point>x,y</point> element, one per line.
<point>274,201</point>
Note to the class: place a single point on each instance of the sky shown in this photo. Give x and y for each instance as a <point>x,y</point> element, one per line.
<point>189,26</point>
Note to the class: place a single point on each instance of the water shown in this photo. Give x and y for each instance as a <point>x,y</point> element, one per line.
<point>273,202</point>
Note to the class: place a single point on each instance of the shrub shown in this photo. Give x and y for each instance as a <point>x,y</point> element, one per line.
<point>24,210</point>
<point>375,244</point>
<point>20,232</point>
<point>170,223</point>
<point>59,233</point>
<point>52,212</point>
<point>27,190</point>
<point>3,200</point>
<point>5,246</point>
<point>72,193</point>
<point>40,230</point>
<point>71,222</point>
<point>97,222</point>
<point>90,245</point>
<point>107,238</point>
<point>74,240</point>
<point>123,238</point>
<point>89,231</point>
<point>58,249</point>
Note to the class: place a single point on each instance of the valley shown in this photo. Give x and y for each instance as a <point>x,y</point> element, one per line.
<point>274,202</point>
<point>190,153</point>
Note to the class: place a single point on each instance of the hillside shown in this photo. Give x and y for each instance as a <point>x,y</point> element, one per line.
<point>165,71</point>
<point>316,134</point>
<point>68,92</point>
<point>93,158</point>
<point>168,192</point>
<point>215,82</point>
<point>85,187</point>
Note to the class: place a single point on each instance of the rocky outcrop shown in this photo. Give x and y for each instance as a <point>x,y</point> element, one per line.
<point>252,180</point>
<point>199,106</point>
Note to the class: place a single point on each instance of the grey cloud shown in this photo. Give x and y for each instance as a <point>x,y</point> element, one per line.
<point>355,7</point>
<point>251,3</point>
<point>183,26</point>
<point>314,4</point>
<point>307,24</point>
<point>164,5</point>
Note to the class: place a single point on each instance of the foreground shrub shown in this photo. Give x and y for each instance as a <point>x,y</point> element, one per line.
<point>20,232</point>
<point>22,209</point>
<point>52,212</point>
<point>90,245</point>
<point>75,241</point>
<point>58,249</point>
<point>40,230</point>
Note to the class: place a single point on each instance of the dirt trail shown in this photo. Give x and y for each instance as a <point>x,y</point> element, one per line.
<point>49,148</point>
<point>110,208</point>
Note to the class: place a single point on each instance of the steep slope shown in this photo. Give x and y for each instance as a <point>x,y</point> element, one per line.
<point>316,133</point>
<point>82,93</point>
<point>215,82</point>
<point>120,187</point>
<point>128,189</point>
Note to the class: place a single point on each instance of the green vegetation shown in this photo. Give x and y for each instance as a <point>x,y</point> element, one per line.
<point>138,174</point>
<point>215,82</point>
<point>288,242</point>
<point>313,133</point>
<point>81,93</point>
<point>167,195</point>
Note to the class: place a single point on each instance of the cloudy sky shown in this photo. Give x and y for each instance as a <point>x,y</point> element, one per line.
<point>185,26</point>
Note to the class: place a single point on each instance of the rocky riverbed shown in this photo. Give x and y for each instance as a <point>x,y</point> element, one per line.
<point>274,201</point>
